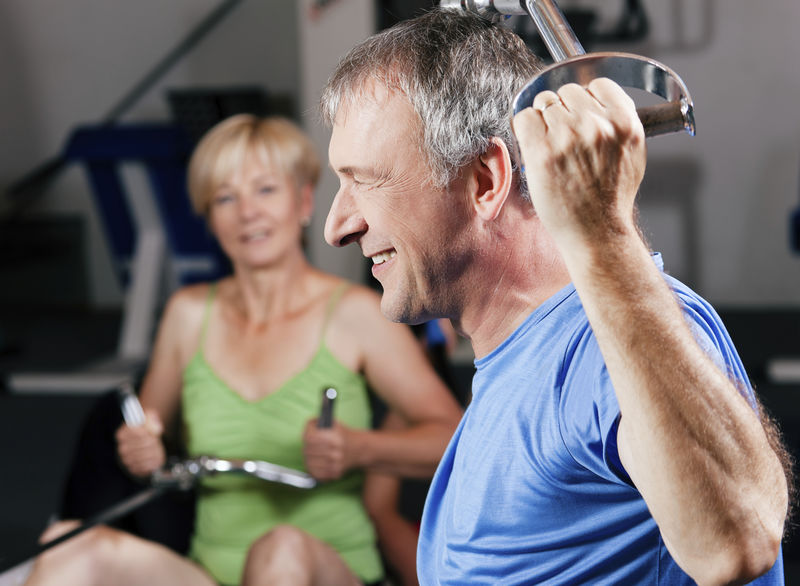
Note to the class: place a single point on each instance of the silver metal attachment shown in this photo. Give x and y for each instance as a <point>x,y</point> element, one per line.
<point>260,469</point>
<point>184,474</point>
<point>573,65</point>
<point>627,70</point>
<point>554,29</point>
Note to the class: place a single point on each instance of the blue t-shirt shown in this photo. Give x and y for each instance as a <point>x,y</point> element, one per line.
<point>531,489</point>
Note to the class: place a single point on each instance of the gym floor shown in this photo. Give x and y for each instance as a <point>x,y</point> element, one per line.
<point>38,431</point>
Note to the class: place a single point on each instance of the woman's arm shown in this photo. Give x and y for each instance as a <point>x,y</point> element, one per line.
<point>141,449</point>
<point>397,536</point>
<point>398,371</point>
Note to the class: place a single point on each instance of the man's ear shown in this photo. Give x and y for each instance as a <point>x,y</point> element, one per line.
<point>491,180</point>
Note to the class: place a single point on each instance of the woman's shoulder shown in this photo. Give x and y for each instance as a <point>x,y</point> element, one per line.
<point>347,305</point>
<point>353,320</point>
<point>188,304</point>
<point>357,301</point>
<point>181,322</point>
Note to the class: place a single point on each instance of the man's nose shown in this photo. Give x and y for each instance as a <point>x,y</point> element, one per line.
<point>344,224</point>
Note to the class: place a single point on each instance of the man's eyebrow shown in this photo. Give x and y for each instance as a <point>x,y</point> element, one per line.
<point>349,170</point>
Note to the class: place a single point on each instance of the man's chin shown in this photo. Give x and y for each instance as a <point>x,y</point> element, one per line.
<point>401,312</point>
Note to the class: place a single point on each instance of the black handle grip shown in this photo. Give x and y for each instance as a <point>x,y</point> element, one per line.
<point>326,414</point>
<point>662,118</point>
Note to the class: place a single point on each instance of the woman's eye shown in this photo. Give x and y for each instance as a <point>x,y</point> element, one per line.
<point>221,198</point>
<point>266,189</point>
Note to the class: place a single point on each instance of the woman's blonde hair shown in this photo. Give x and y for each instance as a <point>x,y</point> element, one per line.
<point>276,141</point>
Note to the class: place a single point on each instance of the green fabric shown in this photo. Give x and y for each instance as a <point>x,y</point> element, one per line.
<point>233,511</point>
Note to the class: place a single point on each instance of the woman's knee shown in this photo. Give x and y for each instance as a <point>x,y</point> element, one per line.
<point>281,541</point>
<point>290,556</point>
<point>91,554</point>
<point>282,552</point>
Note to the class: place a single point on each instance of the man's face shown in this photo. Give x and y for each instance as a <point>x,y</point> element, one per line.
<point>412,231</point>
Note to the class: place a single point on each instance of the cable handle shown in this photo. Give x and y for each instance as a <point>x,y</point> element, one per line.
<point>132,411</point>
<point>676,114</point>
<point>571,64</point>
<point>325,420</point>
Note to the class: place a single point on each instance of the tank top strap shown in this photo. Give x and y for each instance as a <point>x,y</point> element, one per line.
<point>333,301</point>
<point>212,290</point>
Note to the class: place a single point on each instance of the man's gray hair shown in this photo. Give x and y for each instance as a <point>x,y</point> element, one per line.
<point>459,71</point>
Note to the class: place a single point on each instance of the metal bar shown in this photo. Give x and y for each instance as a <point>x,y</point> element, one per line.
<point>554,29</point>
<point>257,468</point>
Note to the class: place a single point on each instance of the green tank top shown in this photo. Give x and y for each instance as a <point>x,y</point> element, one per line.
<point>232,510</point>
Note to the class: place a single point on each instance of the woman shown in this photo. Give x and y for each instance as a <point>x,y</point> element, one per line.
<point>246,360</point>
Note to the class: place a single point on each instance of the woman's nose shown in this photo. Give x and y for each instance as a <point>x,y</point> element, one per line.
<point>246,207</point>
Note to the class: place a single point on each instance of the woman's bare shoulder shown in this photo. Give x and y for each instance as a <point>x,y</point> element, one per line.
<point>359,303</point>
<point>184,312</point>
<point>359,315</point>
<point>188,300</point>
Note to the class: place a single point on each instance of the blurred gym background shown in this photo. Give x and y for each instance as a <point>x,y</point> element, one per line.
<point>101,103</point>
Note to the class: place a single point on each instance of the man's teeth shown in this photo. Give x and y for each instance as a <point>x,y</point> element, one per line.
<point>383,257</point>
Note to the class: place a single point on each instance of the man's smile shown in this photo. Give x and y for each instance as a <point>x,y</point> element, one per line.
<point>382,257</point>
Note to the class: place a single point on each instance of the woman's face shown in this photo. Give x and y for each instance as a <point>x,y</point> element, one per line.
<point>257,214</point>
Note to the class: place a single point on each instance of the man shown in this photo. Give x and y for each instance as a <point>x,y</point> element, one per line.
<point>613,437</point>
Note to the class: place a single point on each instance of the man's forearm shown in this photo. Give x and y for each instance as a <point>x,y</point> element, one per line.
<point>692,445</point>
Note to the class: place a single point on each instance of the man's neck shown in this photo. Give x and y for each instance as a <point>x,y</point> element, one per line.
<point>514,278</point>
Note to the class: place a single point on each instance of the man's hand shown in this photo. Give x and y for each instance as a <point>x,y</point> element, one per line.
<point>140,448</point>
<point>584,156</point>
<point>325,450</point>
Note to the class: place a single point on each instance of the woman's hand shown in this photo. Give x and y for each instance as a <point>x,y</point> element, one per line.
<point>140,448</point>
<point>325,450</point>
